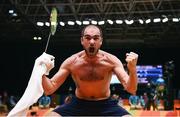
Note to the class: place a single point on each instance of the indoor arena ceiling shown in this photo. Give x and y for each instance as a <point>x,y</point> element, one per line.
<point>153,23</point>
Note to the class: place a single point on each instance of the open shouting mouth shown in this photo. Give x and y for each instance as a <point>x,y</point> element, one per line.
<point>91,49</point>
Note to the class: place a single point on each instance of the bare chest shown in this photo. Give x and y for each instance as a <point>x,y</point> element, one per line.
<point>91,71</point>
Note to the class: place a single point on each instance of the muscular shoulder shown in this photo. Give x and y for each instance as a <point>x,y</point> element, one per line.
<point>70,60</point>
<point>111,58</point>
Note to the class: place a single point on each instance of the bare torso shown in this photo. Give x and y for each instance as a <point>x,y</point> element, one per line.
<point>92,76</point>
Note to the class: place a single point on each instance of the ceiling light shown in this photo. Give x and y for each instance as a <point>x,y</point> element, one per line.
<point>157,20</point>
<point>110,21</point>
<point>39,38</point>
<point>175,19</point>
<point>14,14</point>
<point>129,21</point>
<point>62,23</point>
<point>78,22</point>
<point>47,23</point>
<point>86,22</point>
<point>148,21</point>
<point>141,21</point>
<point>119,21</point>
<point>94,22</point>
<point>35,38</point>
<point>40,23</point>
<point>101,22</point>
<point>11,11</point>
<point>165,20</point>
<point>71,23</point>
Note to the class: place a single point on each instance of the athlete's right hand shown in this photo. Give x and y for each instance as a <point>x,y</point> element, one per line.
<point>47,61</point>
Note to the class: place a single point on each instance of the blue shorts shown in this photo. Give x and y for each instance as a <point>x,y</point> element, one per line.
<point>80,107</point>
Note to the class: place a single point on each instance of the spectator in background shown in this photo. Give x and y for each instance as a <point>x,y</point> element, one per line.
<point>115,97</point>
<point>44,102</point>
<point>152,95</point>
<point>4,103</point>
<point>12,100</point>
<point>134,101</point>
<point>146,99</point>
<point>118,99</point>
<point>142,102</point>
<point>68,99</point>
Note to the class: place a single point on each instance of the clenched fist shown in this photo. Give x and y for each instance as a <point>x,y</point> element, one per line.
<point>131,59</point>
<point>47,61</point>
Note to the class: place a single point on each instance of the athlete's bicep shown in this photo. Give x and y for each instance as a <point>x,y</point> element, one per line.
<point>62,74</point>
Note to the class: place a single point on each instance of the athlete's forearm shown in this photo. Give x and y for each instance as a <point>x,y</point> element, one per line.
<point>47,85</point>
<point>132,82</point>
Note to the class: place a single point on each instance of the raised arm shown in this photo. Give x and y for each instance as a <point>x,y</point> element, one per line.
<point>51,85</point>
<point>129,82</point>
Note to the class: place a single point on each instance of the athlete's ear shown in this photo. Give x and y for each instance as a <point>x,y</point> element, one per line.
<point>101,43</point>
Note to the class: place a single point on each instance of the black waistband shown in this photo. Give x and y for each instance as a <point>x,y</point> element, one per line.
<point>90,101</point>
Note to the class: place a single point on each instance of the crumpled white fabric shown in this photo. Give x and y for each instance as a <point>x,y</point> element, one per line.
<point>34,89</point>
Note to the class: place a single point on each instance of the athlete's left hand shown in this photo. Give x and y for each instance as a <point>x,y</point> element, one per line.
<point>131,59</point>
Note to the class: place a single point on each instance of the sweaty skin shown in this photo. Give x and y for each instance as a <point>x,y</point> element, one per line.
<point>92,68</point>
<point>91,75</point>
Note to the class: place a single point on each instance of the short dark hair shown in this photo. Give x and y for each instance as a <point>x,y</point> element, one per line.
<point>82,32</point>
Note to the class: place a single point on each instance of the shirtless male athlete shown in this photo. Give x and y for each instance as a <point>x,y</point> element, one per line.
<point>91,70</point>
